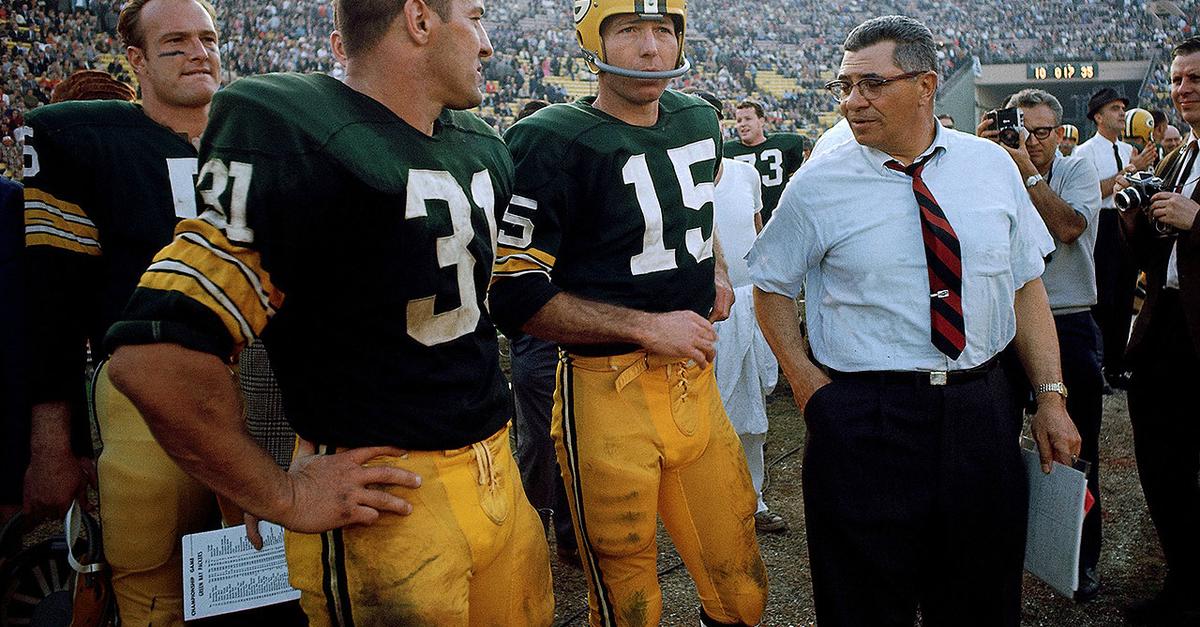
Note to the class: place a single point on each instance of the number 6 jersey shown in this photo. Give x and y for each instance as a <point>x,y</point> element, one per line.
<point>105,186</point>
<point>360,248</point>
<point>609,211</point>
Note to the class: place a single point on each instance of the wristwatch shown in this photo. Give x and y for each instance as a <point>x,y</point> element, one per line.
<point>1058,387</point>
<point>1033,180</point>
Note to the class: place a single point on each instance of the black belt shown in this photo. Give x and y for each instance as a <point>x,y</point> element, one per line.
<point>917,377</point>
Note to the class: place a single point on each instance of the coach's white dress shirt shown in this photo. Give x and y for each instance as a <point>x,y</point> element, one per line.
<point>848,228</point>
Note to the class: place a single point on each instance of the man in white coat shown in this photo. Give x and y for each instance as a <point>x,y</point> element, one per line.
<point>746,367</point>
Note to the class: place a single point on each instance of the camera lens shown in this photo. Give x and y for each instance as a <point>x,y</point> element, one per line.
<point>1127,199</point>
<point>1010,137</point>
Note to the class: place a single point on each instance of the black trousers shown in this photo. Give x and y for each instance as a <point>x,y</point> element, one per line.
<point>1079,350</point>
<point>1116,282</point>
<point>1165,415</point>
<point>915,495</point>
<point>534,362</point>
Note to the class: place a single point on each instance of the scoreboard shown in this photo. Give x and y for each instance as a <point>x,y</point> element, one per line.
<point>1062,71</point>
<point>1073,80</point>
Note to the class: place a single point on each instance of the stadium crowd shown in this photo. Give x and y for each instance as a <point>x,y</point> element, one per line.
<point>730,45</point>
<point>79,216</point>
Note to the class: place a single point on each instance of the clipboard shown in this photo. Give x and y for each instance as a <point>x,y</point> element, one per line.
<point>1057,506</point>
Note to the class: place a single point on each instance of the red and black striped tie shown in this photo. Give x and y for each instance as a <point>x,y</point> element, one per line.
<point>943,257</point>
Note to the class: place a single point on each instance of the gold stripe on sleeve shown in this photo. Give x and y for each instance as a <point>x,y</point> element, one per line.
<point>201,263</point>
<point>515,265</point>
<point>58,224</point>
<point>32,194</point>
<point>535,255</point>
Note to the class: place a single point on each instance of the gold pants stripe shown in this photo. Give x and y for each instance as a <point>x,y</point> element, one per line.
<point>603,596</point>
<point>641,437</point>
<point>333,568</point>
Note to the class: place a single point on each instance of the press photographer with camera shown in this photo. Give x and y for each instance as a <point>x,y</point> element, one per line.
<point>1164,235</point>
<point>1116,275</point>
<point>1066,193</point>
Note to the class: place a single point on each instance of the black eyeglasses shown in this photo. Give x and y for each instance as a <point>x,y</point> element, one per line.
<point>1041,132</point>
<point>869,87</point>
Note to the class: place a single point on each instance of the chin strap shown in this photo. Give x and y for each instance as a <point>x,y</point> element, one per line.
<point>620,71</point>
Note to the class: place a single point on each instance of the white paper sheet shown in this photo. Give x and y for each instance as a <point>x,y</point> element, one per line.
<point>1055,523</point>
<point>223,573</point>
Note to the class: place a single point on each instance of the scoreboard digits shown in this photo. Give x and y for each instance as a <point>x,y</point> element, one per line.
<point>1062,71</point>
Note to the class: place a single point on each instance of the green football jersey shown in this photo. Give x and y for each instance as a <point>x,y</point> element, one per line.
<point>105,186</point>
<point>609,211</point>
<point>360,248</point>
<point>776,159</point>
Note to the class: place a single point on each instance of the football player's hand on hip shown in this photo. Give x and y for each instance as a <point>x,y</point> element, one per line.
<point>683,334</point>
<point>331,491</point>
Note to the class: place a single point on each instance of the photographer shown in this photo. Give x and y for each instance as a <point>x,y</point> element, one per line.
<point>1066,193</point>
<point>1116,275</point>
<point>1164,235</point>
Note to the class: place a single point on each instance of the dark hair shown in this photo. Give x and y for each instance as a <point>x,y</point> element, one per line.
<point>915,49</point>
<point>530,108</point>
<point>129,24</point>
<point>363,23</point>
<point>1159,117</point>
<point>753,104</point>
<point>1191,45</point>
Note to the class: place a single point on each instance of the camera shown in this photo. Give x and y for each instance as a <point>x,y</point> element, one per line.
<point>1142,187</point>
<point>1009,122</point>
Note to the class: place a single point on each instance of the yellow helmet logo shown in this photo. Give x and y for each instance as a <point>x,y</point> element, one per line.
<point>590,16</point>
<point>1139,125</point>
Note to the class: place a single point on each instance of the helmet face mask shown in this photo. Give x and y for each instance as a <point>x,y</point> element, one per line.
<point>589,20</point>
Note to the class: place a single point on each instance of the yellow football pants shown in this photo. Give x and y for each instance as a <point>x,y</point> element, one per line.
<point>472,552</point>
<point>639,435</point>
<point>147,503</point>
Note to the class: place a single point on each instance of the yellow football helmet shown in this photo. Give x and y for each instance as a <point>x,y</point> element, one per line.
<point>590,15</point>
<point>1139,124</point>
<point>1070,132</point>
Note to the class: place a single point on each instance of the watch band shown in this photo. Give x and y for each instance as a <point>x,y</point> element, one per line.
<point>1058,387</point>
<point>1033,180</point>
